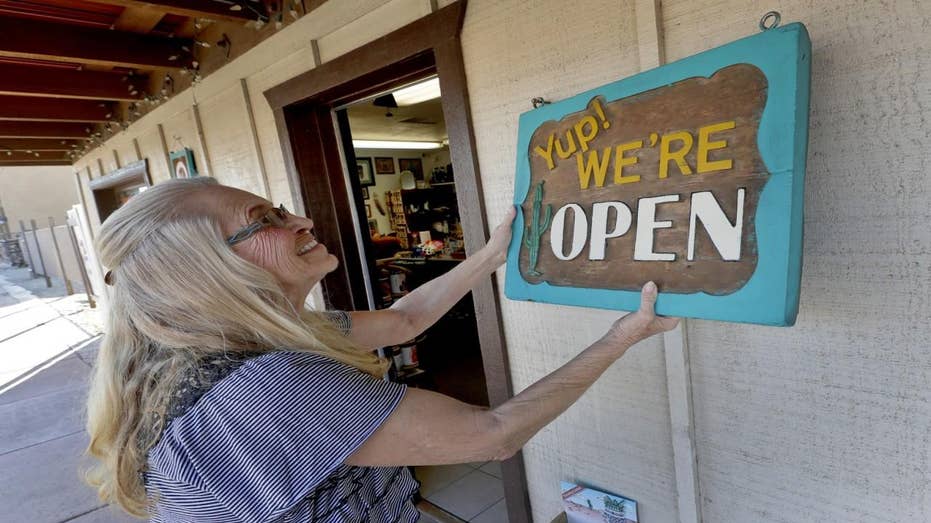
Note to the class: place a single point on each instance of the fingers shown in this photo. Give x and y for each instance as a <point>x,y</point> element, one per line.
<point>648,298</point>
<point>503,230</point>
<point>509,217</point>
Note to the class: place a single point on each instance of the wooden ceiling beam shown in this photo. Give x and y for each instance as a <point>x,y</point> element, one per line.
<point>38,144</point>
<point>216,10</point>
<point>35,156</point>
<point>37,163</point>
<point>58,130</point>
<point>30,108</point>
<point>24,38</point>
<point>64,83</point>
<point>140,19</point>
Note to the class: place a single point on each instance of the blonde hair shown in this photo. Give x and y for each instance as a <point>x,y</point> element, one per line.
<point>180,297</point>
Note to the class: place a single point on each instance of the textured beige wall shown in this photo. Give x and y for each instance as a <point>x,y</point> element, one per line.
<point>289,66</point>
<point>229,140</point>
<point>826,421</point>
<point>832,417</point>
<point>150,144</point>
<point>36,193</point>
<point>125,153</point>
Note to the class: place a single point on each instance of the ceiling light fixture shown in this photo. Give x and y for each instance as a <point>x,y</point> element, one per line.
<point>385,144</point>
<point>387,101</point>
<point>417,93</point>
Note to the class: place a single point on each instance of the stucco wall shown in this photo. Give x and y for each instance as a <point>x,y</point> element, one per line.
<point>832,417</point>
<point>825,421</point>
<point>36,193</point>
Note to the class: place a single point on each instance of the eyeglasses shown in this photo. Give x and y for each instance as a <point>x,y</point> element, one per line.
<point>275,217</point>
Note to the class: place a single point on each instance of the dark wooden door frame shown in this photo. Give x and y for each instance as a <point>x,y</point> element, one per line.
<point>303,108</point>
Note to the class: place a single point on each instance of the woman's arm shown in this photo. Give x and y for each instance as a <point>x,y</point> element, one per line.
<point>431,429</point>
<point>421,308</point>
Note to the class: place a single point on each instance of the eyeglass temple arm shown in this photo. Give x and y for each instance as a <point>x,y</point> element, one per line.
<point>244,233</point>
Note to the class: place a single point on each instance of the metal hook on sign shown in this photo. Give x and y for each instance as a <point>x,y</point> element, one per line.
<point>770,21</point>
<point>538,102</point>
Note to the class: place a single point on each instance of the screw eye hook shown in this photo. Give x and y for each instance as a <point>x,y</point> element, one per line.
<point>538,102</point>
<point>770,21</point>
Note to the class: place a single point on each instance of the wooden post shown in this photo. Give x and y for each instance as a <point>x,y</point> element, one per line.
<point>32,266</point>
<point>5,226</point>
<point>651,47</point>
<point>61,262</point>
<point>35,236</point>
<point>650,38</point>
<point>682,423</point>
<point>81,268</point>
<point>207,168</point>
<point>165,153</point>
<point>315,53</point>
<point>263,172</point>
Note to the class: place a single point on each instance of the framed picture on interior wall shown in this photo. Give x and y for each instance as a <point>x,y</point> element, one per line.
<point>414,165</point>
<point>368,211</point>
<point>182,163</point>
<point>384,165</point>
<point>364,170</point>
<point>365,193</point>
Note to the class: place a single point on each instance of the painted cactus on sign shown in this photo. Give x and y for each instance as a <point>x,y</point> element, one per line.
<point>536,229</point>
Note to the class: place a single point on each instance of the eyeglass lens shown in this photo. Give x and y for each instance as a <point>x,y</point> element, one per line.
<point>277,216</point>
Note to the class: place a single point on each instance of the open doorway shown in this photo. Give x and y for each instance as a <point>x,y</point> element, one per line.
<point>315,155</point>
<point>410,231</point>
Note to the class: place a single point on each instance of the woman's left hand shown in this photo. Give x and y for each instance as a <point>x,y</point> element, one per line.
<point>497,245</point>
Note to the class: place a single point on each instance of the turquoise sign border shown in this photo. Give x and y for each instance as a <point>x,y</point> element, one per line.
<point>771,295</point>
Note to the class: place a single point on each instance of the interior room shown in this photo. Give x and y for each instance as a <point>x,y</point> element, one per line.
<point>411,234</point>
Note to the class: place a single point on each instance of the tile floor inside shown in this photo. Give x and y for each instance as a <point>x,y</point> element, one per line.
<point>472,492</point>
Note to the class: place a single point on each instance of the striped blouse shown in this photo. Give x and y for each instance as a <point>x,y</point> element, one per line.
<point>268,441</point>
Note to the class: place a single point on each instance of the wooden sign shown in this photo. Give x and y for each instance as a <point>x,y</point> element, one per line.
<point>690,175</point>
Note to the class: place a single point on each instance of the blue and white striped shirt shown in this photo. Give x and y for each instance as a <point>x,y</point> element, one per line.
<point>268,441</point>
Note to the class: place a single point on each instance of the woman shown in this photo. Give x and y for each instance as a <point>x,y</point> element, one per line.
<point>218,397</point>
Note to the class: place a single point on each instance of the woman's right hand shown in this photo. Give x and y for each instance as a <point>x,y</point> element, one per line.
<point>642,323</point>
<point>500,239</point>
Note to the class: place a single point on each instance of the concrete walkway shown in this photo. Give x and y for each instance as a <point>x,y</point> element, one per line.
<point>48,343</point>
